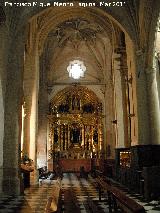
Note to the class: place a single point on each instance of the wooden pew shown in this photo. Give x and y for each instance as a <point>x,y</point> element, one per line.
<point>92,206</point>
<point>54,201</point>
<point>117,199</point>
<point>70,202</point>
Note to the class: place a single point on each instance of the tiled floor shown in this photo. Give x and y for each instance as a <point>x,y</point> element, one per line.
<point>34,200</point>
<point>83,188</point>
<point>77,190</point>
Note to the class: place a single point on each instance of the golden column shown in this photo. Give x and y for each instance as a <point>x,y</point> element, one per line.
<point>90,138</point>
<point>68,136</point>
<point>83,136</point>
<point>100,138</point>
<point>50,136</point>
<point>59,137</point>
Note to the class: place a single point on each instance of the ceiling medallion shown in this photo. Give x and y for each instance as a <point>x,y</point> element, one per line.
<point>76,69</point>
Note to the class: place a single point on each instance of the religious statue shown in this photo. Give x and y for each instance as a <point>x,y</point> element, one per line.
<point>95,136</point>
<point>55,136</point>
<point>75,135</point>
<point>75,103</point>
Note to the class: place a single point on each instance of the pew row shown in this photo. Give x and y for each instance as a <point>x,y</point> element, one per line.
<point>70,201</point>
<point>117,199</point>
<point>54,201</point>
<point>92,207</point>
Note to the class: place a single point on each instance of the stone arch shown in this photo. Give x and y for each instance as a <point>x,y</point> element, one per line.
<point>111,12</point>
<point>139,112</point>
<point>52,16</point>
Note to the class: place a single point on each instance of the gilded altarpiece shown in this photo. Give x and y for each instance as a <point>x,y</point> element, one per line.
<point>75,125</point>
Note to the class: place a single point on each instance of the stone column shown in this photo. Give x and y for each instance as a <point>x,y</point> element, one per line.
<point>26,130</point>
<point>3,54</point>
<point>119,103</point>
<point>31,88</point>
<point>109,129</point>
<point>12,114</point>
<point>154,106</point>
<point>43,106</point>
<point>140,131</point>
<point>1,134</point>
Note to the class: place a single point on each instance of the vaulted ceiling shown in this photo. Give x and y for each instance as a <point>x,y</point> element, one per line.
<point>80,39</point>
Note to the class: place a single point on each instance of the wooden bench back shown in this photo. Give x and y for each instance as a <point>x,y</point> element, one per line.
<point>125,203</point>
<point>53,200</point>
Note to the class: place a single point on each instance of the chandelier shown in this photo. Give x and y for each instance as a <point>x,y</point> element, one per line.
<point>76,69</point>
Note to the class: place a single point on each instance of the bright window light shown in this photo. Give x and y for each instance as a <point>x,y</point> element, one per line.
<point>76,69</point>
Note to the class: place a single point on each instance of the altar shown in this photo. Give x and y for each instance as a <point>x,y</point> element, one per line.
<point>75,128</point>
<point>71,165</point>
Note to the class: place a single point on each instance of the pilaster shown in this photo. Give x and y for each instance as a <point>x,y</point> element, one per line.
<point>119,112</point>
<point>31,89</point>
<point>144,136</point>
<point>153,102</point>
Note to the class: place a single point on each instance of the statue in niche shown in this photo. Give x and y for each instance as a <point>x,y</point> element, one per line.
<point>88,108</point>
<point>87,143</point>
<point>78,103</point>
<point>55,136</point>
<point>75,135</point>
<point>95,136</point>
<point>75,103</point>
<point>63,108</point>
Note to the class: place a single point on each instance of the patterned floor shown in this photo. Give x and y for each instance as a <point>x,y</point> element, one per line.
<point>34,200</point>
<point>81,190</point>
<point>75,193</point>
<point>150,207</point>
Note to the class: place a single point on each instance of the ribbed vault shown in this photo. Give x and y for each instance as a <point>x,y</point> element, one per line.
<point>77,33</point>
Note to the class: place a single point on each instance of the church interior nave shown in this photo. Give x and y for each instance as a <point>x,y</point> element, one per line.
<point>80,103</point>
<point>75,196</point>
